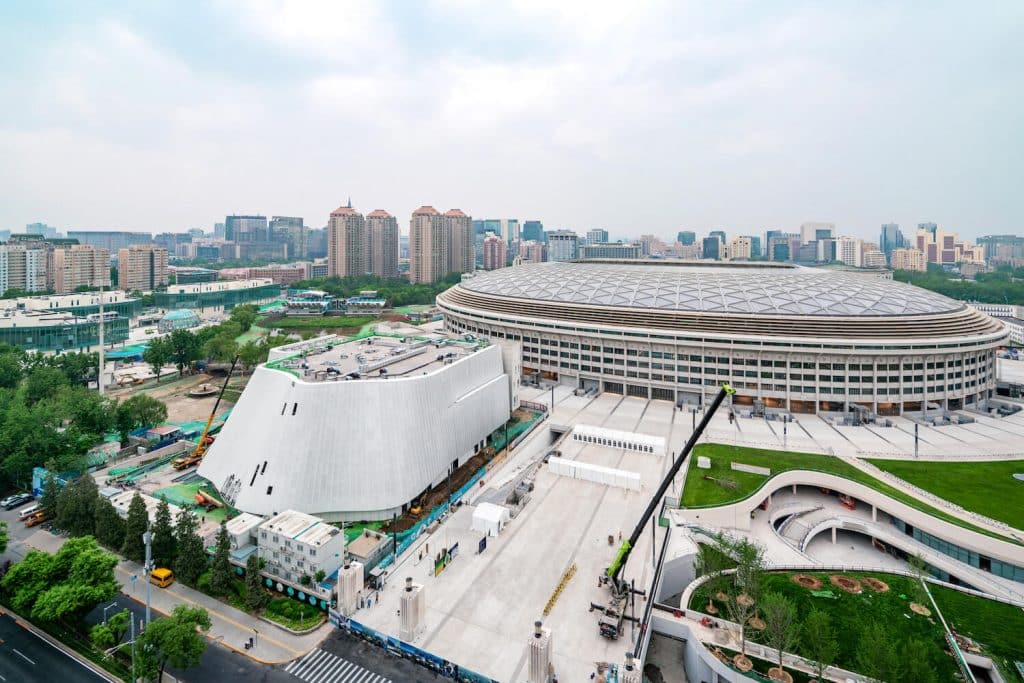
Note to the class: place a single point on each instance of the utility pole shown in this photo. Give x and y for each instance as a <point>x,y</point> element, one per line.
<point>99,379</point>
<point>147,538</point>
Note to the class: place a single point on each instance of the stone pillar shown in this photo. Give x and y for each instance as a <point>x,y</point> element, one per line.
<point>413,610</point>
<point>833,535</point>
<point>539,646</point>
<point>874,513</point>
<point>631,671</point>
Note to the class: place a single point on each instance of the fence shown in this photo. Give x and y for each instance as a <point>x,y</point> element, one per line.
<point>400,648</point>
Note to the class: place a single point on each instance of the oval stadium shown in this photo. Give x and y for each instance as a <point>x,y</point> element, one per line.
<point>805,340</point>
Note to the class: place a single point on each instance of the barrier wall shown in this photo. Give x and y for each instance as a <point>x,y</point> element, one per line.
<point>596,473</point>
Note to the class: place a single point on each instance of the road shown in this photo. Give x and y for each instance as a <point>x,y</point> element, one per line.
<point>27,658</point>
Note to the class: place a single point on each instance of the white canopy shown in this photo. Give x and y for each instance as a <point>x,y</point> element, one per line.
<point>489,518</point>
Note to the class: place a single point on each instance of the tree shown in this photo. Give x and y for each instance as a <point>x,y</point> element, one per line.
<point>255,597</point>
<point>877,657</point>
<point>158,354</point>
<point>781,629</point>
<point>10,366</point>
<point>137,523</point>
<point>191,558</point>
<point>711,561</point>
<point>77,507</point>
<point>221,347</point>
<point>3,537</point>
<point>245,315</point>
<point>184,348</point>
<point>916,662</point>
<point>820,644</point>
<point>50,500</point>
<point>919,568</point>
<point>252,353</point>
<point>91,413</point>
<point>742,602</point>
<point>221,571</point>
<point>110,633</point>
<point>42,383</point>
<point>141,410</point>
<point>163,535</point>
<point>110,528</point>
<point>175,639</point>
<point>63,586</point>
<point>741,608</point>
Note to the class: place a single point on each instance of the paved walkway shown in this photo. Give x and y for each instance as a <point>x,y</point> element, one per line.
<point>230,627</point>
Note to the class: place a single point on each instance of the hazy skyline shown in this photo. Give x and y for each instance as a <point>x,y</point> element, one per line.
<point>634,117</point>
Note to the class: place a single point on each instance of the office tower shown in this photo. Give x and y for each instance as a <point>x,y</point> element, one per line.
<point>686,237</point>
<point>778,250</point>
<point>111,240</point>
<point>240,229</point>
<point>79,265</point>
<point>461,257</point>
<point>849,250</point>
<point>41,229</point>
<point>740,249</point>
<point>219,230</point>
<point>891,238</point>
<point>428,246</point>
<point>316,243</point>
<point>478,226</point>
<point>563,245</point>
<point>720,234</point>
<point>290,230</point>
<point>812,232</point>
<point>142,267</point>
<point>382,229</point>
<point>597,236</point>
<point>609,250</point>
<point>23,266</point>
<point>531,251</point>
<point>494,252</point>
<point>347,244</point>
<point>533,231</point>
<point>712,248</point>
<point>509,230</point>
<point>755,246</point>
<point>825,249</point>
<point>946,248</point>
<point>1003,249</point>
<point>930,228</point>
<point>909,259</point>
<point>492,225</point>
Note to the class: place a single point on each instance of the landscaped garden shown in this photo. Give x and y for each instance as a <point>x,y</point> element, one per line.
<point>721,485</point>
<point>316,322</point>
<point>293,614</point>
<point>997,627</point>
<point>985,487</point>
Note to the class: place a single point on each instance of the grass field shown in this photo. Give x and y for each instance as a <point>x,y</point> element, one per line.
<point>985,487</point>
<point>853,614</point>
<point>317,322</point>
<point>999,628</point>
<point>701,492</point>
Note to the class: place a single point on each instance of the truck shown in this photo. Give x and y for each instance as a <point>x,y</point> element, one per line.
<point>205,441</point>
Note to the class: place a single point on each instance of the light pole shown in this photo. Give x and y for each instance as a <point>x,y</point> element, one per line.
<point>113,604</point>
<point>147,538</point>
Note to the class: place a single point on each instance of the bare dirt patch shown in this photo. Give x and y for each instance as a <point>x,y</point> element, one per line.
<point>744,600</point>
<point>743,663</point>
<point>918,608</point>
<point>777,674</point>
<point>875,585</point>
<point>756,623</point>
<point>846,583</point>
<point>811,583</point>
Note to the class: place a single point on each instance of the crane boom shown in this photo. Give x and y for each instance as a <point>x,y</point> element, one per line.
<point>615,568</point>
<point>196,455</point>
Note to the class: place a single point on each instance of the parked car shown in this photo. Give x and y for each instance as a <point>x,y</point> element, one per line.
<point>14,501</point>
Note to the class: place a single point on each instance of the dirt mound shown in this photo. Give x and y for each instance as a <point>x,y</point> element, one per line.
<point>874,584</point>
<point>756,623</point>
<point>846,583</point>
<point>743,663</point>
<point>811,583</point>
<point>777,674</point>
<point>918,608</point>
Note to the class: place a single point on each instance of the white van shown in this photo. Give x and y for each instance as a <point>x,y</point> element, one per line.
<point>25,513</point>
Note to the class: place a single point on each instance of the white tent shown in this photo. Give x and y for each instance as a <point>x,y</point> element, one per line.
<point>489,518</point>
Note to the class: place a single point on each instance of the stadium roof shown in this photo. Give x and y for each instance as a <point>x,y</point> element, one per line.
<point>712,289</point>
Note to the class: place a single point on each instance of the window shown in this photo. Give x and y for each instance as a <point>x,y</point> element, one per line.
<point>312,552</point>
<point>295,407</point>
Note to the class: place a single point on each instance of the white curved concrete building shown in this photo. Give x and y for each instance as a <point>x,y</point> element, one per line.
<point>798,339</point>
<point>357,430</point>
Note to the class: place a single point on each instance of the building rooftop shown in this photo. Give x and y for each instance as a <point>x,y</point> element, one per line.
<point>11,318</point>
<point>696,287</point>
<point>56,301</point>
<point>243,523</point>
<point>318,534</point>
<point>290,523</point>
<point>364,544</point>
<point>378,213</point>
<point>219,286</point>
<point>375,358</point>
<point>426,210</point>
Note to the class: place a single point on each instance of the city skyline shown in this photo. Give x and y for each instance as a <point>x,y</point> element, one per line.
<point>747,119</point>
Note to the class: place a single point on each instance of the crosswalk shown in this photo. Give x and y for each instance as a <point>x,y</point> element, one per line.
<point>320,666</point>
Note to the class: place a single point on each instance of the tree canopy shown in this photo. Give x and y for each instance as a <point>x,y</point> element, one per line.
<point>396,291</point>
<point>140,410</point>
<point>1004,286</point>
<point>176,639</point>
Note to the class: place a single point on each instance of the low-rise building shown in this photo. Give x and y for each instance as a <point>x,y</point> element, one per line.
<point>293,544</point>
<point>608,250</point>
<point>59,330</point>
<point>217,295</point>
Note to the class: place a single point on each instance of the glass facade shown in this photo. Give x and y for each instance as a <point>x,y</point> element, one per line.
<point>76,335</point>
<point>227,299</point>
<point>969,557</point>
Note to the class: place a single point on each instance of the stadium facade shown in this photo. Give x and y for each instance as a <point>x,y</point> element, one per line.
<point>796,339</point>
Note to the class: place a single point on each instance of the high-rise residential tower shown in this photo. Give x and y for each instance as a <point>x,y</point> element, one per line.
<point>142,267</point>
<point>429,251</point>
<point>382,230</point>
<point>494,252</point>
<point>459,226</point>
<point>597,236</point>
<point>348,251</point>
<point>79,265</point>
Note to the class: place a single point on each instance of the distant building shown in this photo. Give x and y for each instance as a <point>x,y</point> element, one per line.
<point>219,230</point>
<point>461,257</point>
<point>812,232</point>
<point>292,231</point>
<point>59,331</point>
<point>111,240</point>
<point>563,245</point>
<point>597,236</point>
<point>239,229</point>
<point>494,252</point>
<point>686,237</point>
<point>79,265</point>
<point>533,231</point>
<point>891,238</point>
<point>873,258</point>
<point>740,249</point>
<point>186,275</point>
<point>720,234</point>
<point>849,251</point>
<point>280,273</point>
<point>609,250</point>
<point>43,229</point>
<point>24,266</point>
<point>909,259</point>
<point>348,253</point>
<point>712,248</point>
<point>141,267</point>
<point>382,229</point>
<point>509,230</point>
<point>531,251</point>
<point>946,248</point>
<point>429,251</point>
<point>316,269</point>
<point>218,295</point>
<point>755,246</point>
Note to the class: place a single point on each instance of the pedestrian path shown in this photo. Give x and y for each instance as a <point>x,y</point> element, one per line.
<point>320,666</point>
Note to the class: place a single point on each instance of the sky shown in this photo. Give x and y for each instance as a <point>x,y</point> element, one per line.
<point>638,117</point>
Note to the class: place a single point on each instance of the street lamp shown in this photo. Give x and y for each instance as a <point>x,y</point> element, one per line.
<point>113,604</point>
<point>147,538</point>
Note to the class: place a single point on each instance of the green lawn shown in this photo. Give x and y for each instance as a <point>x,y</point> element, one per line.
<point>985,487</point>
<point>997,627</point>
<point>317,322</point>
<point>852,614</point>
<point>293,614</point>
<point>701,492</point>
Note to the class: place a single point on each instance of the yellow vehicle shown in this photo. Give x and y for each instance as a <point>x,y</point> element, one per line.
<point>161,577</point>
<point>35,518</point>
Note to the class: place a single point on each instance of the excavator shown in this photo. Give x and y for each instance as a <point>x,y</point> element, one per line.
<point>614,612</point>
<point>196,456</point>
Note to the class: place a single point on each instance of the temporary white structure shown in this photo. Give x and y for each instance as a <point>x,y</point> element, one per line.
<point>611,438</point>
<point>489,518</point>
<point>596,473</point>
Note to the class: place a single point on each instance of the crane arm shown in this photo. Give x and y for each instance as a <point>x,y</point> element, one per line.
<point>201,446</point>
<point>615,568</point>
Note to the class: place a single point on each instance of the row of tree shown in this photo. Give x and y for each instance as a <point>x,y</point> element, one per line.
<point>1004,286</point>
<point>397,291</point>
